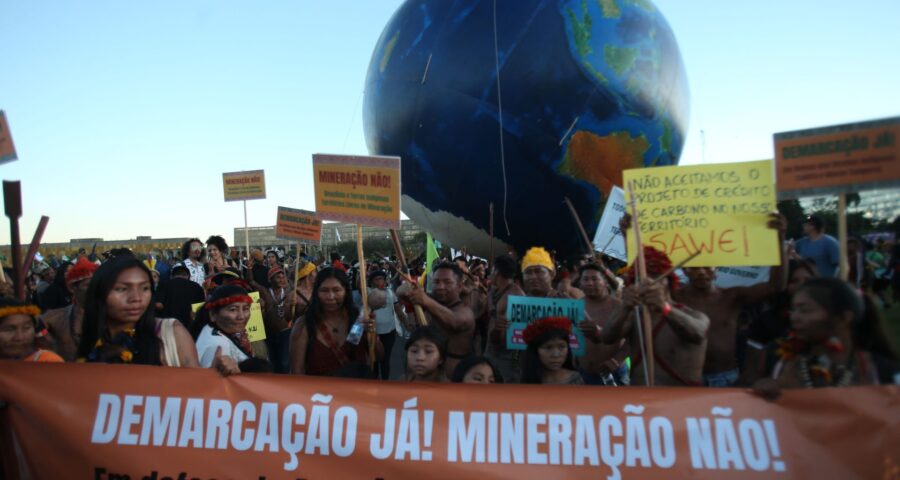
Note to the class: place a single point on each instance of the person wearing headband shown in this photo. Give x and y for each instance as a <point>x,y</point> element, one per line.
<point>18,325</point>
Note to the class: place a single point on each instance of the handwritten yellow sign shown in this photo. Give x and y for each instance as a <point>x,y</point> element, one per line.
<point>7,148</point>
<point>256,329</point>
<point>718,210</point>
<point>355,189</point>
<point>249,185</point>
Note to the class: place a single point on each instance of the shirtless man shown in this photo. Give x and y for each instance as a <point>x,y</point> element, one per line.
<point>64,324</point>
<point>445,309</point>
<point>679,332</point>
<point>723,307</point>
<point>503,285</point>
<point>601,364</point>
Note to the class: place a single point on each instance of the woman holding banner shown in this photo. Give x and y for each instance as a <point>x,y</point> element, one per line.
<point>319,344</point>
<point>226,333</point>
<point>119,324</point>
<point>838,340</point>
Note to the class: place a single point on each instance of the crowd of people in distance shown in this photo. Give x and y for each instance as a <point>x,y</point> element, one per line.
<point>803,328</point>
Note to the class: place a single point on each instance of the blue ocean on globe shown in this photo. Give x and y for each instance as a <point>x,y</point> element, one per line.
<point>587,88</point>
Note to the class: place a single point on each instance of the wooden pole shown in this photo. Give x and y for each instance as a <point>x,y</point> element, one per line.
<point>33,248</point>
<point>491,223</point>
<point>584,235</point>
<point>642,313</point>
<point>404,271</point>
<point>842,236</point>
<point>12,200</point>
<point>364,292</point>
<point>246,232</point>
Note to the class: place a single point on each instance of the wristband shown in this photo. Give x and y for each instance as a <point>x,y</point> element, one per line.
<point>667,309</point>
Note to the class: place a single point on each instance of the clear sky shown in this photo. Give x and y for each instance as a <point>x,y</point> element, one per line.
<point>125,114</point>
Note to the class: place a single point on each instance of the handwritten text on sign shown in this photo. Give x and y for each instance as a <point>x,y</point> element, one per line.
<point>521,311</point>
<point>354,189</point>
<point>298,225</point>
<point>144,421</point>
<point>244,185</point>
<point>718,210</point>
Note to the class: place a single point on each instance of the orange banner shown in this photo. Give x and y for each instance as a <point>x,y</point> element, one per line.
<point>838,159</point>
<point>138,422</point>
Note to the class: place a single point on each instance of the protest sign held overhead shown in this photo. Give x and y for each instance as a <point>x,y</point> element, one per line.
<point>250,185</point>
<point>608,239</point>
<point>358,189</point>
<point>720,211</point>
<point>7,148</point>
<point>838,159</point>
<point>521,311</point>
<point>298,225</point>
<point>151,422</point>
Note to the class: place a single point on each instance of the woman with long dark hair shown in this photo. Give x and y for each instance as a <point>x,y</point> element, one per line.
<point>119,324</point>
<point>319,343</point>
<point>838,339</point>
<point>548,359</point>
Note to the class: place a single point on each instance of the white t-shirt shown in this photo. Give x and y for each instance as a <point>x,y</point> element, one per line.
<point>208,342</point>
<point>385,316</point>
<point>198,275</point>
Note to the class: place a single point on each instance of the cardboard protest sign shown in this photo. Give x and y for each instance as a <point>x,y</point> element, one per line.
<point>719,210</point>
<point>249,185</point>
<point>608,239</point>
<point>520,311</point>
<point>298,225</point>
<point>7,148</point>
<point>356,189</point>
<point>838,159</point>
<point>256,329</point>
<point>152,422</point>
<point>727,277</point>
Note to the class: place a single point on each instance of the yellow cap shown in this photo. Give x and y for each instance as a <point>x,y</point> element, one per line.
<point>537,256</point>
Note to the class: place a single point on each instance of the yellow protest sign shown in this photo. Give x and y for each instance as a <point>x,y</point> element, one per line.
<point>7,148</point>
<point>356,189</point>
<point>718,210</point>
<point>298,225</point>
<point>256,329</point>
<point>249,185</point>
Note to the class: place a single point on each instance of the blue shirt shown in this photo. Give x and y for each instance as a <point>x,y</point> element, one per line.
<point>825,252</point>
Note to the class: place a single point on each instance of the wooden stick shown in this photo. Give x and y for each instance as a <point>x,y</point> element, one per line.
<point>491,223</point>
<point>296,286</point>
<point>584,235</point>
<point>676,267</point>
<point>404,269</point>
<point>364,292</point>
<point>645,329</point>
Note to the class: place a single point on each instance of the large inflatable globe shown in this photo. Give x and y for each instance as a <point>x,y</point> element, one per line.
<point>586,89</point>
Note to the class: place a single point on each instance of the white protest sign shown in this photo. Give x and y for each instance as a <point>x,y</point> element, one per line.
<point>608,239</point>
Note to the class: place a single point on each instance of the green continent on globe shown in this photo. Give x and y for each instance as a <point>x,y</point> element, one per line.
<point>599,160</point>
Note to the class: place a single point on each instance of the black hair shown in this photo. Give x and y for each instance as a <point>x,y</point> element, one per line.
<point>15,302</point>
<point>533,371</point>
<point>868,328</point>
<point>816,221</point>
<point>506,266</point>
<point>95,326</point>
<point>219,242</point>
<point>357,370</point>
<point>255,365</point>
<point>470,362</point>
<point>202,317</point>
<point>311,319</point>
<point>433,335</point>
<point>449,266</point>
<point>186,248</point>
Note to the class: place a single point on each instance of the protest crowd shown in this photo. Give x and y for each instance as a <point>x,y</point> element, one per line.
<point>803,328</point>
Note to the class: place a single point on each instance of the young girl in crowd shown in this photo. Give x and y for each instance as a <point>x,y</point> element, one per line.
<point>476,370</point>
<point>548,359</point>
<point>119,324</point>
<point>426,351</point>
<point>18,326</point>
<point>836,336</point>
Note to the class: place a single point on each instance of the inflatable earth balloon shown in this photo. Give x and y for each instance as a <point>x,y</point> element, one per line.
<point>578,90</point>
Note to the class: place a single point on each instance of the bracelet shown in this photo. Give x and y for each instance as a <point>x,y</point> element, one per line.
<point>667,309</point>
